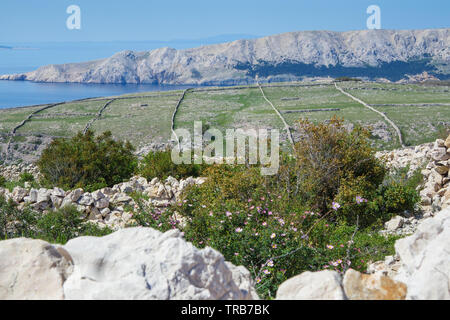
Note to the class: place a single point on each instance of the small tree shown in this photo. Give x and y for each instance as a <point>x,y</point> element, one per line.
<point>329,156</point>
<point>87,161</point>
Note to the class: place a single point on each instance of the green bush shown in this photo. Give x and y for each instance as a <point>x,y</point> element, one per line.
<point>26,177</point>
<point>86,161</point>
<point>253,221</point>
<point>398,198</point>
<point>61,225</point>
<point>159,164</point>
<point>2,181</point>
<point>14,222</point>
<point>57,226</point>
<point>329,159</point>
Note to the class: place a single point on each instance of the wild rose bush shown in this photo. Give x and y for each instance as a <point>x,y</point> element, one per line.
<point>270,233</point>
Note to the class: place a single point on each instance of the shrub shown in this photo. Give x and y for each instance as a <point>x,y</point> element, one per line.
<point>254,222</point>
<point>398,198</point>
<point>2,181</point>
<point>55,227</point>
<point>26,177</point>
<point>87,161</point>
<point>14,222</point>
<point>329,157</point>
<point>159,164</point>
<point>61,225</point>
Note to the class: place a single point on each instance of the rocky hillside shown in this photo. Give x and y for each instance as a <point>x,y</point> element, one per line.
<point>372,54</point>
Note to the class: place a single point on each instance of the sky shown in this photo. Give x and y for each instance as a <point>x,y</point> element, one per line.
<point>143,20</point>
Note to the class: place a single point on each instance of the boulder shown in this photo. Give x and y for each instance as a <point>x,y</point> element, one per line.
<point>86,200</point>
<point>447,142</point>
<point>18,194</point>
<point>97,195</point>
<point>43,195</point>
<point>359,286</point>
<point>440,154</point>
<point>32,197</point>
<point>32,269</point>
<point>56,201</point>
<point>394,224</point>
<point>425,259</point>
<point>58,192</point>
<point>143,263</point>
<point>321,285</point>
<point>102,203</point>
<point>76,194</point>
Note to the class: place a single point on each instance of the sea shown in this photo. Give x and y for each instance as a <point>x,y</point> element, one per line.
<point>20,57</point>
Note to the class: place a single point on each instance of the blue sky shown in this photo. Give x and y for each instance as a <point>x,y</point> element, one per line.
<point>135,20</point>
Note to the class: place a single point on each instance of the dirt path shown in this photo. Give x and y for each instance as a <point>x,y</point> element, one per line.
<point>397,130</point>
<point>286,126</point>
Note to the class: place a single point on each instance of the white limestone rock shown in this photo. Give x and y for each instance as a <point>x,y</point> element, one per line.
<point>425,259</point>
<point>321,285</point>
<point>143,263</point>
<point>32,270</point>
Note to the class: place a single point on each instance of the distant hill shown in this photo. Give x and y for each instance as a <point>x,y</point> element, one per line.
<point>389,54</point>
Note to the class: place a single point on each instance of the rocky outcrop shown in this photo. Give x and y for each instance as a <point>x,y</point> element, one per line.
<point>425,258</point>
<point>329,285</point>
<point>112,207</point>
<point>144,264</point>
<point>303,54</point>
<point>421,260</point>
<point>32,270</point>
<point>434,161</point>
<point>359,286</point>
<point>322,285</point>
<point>130,264</point>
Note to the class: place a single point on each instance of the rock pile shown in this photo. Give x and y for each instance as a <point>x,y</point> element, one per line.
<point>108,206</point>
<point>436,191</point>
<point>415,157</point>
<point>13,172</point>
<point>422,260</point>
<point>434,158</point>
<point>130,264</point>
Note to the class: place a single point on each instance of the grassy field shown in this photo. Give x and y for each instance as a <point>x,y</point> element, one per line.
<point>421,112</point>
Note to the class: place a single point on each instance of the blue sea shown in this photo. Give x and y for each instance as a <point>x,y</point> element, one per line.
<point>25,57</point>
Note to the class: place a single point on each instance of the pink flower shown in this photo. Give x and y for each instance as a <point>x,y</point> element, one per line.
<point>274,246</point>
<point>360,200</point>
<point>238,230</point>
<point>270,263</point>
<point>335,206</point>
<point>273,235</point>
<point>228,213</point>
<point>266,271</point>
<point>329,246</point>
<point>264,223</point>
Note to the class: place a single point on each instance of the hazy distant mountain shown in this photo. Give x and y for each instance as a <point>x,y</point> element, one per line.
<point>387,54</point>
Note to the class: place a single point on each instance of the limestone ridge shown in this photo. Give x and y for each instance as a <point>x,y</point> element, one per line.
<point>391,54</point>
